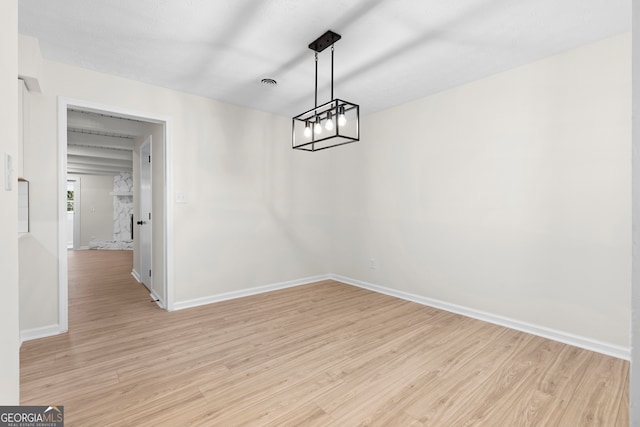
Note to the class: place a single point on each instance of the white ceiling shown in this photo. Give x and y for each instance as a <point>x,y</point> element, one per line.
<point>99,144</point>
<point>391,51</point>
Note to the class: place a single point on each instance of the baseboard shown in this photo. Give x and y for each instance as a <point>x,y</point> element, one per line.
<point>563,337</point>
<point>247,292</point>
<point>136,276</point>
<point>42,332</point>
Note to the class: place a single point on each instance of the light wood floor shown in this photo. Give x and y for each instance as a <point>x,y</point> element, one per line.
<point>321,354</point>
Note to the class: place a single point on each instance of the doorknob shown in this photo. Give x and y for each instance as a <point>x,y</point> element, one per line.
<point>141,222</point>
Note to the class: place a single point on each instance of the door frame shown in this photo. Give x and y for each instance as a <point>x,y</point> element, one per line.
<point>64,104</point>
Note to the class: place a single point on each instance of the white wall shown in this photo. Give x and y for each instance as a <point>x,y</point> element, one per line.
<point>10,346</point>
<point>509,195</point>
<point>256,211</point>
<point>96,208</point>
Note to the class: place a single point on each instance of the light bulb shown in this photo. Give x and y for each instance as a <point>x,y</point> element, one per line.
<point>317,128</point>
<point>329,124</point>
<point>342,120</point>
<point>307,130</point>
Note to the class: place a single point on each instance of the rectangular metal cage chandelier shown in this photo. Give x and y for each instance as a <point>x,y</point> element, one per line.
<point>331,124</point>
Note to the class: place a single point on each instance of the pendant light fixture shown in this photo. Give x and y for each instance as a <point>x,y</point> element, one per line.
<point>334,123</point>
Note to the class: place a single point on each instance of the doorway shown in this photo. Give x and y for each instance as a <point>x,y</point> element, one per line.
<point>160,236</point>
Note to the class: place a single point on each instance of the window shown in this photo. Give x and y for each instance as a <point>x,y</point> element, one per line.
<point>70,201</point>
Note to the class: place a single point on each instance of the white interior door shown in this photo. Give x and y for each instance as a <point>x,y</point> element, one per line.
<point>144,217</point>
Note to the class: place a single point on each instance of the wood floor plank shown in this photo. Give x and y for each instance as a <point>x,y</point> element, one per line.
<point>561,376</point>
<point>623,411</point>
<point>530,407</point>
<point>324,354</point>
<point>497,392</point>
<point>306,415</point>
<point>446,361</point>
<point>599,393</point>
